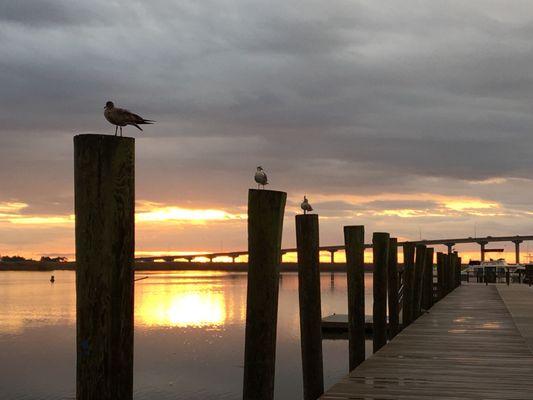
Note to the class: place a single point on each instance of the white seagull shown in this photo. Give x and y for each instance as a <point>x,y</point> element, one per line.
<point>306,206</point>
<point>121,117</point>
<point>261,177</point>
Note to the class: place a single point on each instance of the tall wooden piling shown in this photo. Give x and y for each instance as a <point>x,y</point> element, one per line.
<point>104,190</point>
<point>427,281</point>
<point>458,272</point>
<point>354,240</point>
<point>440,275</point>
<point>392,289</point>
<point>451,272</point>
<point>420,263</point>
<point>265,225</point>
<point>408,283</point>
<point>307,241</point>
<point>380,249</point>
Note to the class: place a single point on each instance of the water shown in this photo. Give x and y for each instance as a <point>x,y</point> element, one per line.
<point>189,335</point>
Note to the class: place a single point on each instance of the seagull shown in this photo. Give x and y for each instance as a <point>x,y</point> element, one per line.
<point>261,177</point>
<point>120,117</point>
<point>306,206</point>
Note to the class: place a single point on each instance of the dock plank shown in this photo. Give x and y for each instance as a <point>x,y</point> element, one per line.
<point>466,347</point>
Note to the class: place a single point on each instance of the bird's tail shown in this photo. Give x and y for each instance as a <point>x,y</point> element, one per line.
<point>137,126</point>
<point>146,121</point>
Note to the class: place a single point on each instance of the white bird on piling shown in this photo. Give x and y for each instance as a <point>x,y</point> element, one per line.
<point>261,177</point>
<point>121,117</point>
<point>306,206</point>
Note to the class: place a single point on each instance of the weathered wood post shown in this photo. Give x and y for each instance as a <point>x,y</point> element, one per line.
<point>455,269</point>
<point>440,274</point>
<point>445,266</point>
<point>420,263</point>
<point>507,276</point>
<point>104,193</point>
<point>451,271</point>
<point>265,225</point>
<point>354,241</point>
<point>458,271</point>
<point>408,285</point>
<point>427,288</point>
<point>380,249</point>
<point>310,309</point>
<point>393,287</point>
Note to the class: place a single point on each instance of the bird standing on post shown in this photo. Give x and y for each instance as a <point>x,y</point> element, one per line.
<point>306,206</point>
<point>121,117</point>
<point>261,177</point>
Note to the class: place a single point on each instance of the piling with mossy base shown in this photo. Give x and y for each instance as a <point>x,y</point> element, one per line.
<point>354,241</point>
<point>307,241</point>
<point>104,192</point>
<point>265,224</point>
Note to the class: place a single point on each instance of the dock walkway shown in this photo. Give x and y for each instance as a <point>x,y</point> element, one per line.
<point>467,347</point>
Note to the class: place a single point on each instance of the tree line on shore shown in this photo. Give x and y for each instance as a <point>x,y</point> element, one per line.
<point>20,259</point>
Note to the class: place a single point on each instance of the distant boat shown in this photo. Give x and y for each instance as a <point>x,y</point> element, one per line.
<point>499,265</point>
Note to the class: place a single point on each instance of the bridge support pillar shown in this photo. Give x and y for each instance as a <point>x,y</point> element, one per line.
<point>517,250</point>
<point>450,247</point>
<point>482,244</point>
<point>332,255</point>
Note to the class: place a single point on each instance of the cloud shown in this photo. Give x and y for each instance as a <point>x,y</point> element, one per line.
<point>334,99</point>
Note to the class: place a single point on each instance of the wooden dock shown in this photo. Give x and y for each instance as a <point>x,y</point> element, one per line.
<point>338,324</point>
<point>467,347</point>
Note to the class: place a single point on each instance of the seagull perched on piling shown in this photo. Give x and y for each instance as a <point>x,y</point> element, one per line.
<point>121,117</point>
<point>306,206</point>
<point>261,177</point>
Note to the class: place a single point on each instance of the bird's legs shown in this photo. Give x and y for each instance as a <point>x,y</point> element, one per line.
<point>305,212</point>
<point>116,130</point>
<point>120,131</point>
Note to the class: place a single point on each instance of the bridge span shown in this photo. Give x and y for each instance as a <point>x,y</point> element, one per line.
<point>449,243</point>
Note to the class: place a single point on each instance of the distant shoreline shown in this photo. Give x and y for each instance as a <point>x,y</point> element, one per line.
<point>168,266</point>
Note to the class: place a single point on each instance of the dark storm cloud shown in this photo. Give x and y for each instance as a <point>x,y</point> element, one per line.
<point>50,13</point>
<point>336,97</point>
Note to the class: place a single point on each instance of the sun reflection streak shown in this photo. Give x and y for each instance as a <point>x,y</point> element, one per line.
<point>182,310</point>
<point>185,300</point>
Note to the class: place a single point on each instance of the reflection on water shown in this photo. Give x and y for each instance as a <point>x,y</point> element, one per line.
<point>188,300</point>
<point>189,335</point>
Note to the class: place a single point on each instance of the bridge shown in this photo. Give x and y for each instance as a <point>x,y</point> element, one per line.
<point>449,243</point>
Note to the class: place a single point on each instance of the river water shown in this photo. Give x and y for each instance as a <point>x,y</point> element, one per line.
<point>189,335</point>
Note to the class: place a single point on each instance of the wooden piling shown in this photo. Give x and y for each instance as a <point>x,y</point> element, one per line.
<point>380,249</point>
<point>354,240</point>
<point>420,263</point>
<point>307,241</point>
<point>451,271</point>
<point>440,287</point>
<point>392,289</point>
<point>265,225</point>
<point>458,272</point>
<point>427,281</point>
<point>507,276</point>
<point>104,192</point>
<point>408,283</point>
<point>456,269</point>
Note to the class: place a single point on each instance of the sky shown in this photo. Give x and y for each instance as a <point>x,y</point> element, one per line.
<point>411,117</point>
